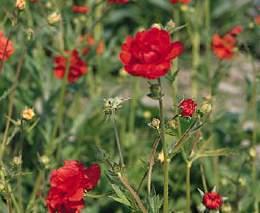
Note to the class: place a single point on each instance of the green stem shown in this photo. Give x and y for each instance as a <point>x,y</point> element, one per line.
<point>188,197</point>
<point>203,178</point>
<point>208,44</point>
<point>117,140</point>
<point>10,107</point>
<point>135,196</point>
<point>131,126</point>
<point>165,154</point>
<point>254,135</point>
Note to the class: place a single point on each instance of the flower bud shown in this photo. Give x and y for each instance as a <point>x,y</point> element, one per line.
<point>226,208</point>
<point>44,160</point>
<point>17,160</point>
<point>173,124</point>
<point>184,8</point>
<point>158,26</point>
<point>27,114</point>
<point>2,187</point>
<point>147,114</point>
<point>54,18</point>
<point>20,4</point>
<point>252,153</point>
<point>206,107</point>
<point>242,181</point>
<point>155,123</point>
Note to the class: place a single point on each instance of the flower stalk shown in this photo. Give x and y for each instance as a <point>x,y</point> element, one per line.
<point>117,140</point>
<point>165,153</point>
<point>188,197</point>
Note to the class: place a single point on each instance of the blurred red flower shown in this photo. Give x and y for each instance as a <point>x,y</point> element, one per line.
<point>235,31</point>
<point>77,67</point>
<point>6,48</point>
<point>212,200</point>
<point>187,107</point>
<point>180,1</point>
<point>68,185</point>
<point>257,20</point>
<point>149,53</point>
<point>117,1</point>
<point>80,9</point>
<point>224,47</point>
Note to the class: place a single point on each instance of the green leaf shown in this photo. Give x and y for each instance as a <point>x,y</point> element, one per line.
<point>121,196</point>
<point>214,153</point>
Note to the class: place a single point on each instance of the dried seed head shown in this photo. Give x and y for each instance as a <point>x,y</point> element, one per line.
<point>111,105</point>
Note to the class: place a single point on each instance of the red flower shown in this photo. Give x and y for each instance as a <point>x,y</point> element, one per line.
<point>224,46</point>
<point>187,107</point>
<point>212,200</point>
<point>149,53</point>
<point>235,31</point>
<point>68,185</point>
<point>6,48</point>
<point>117,1</point>
<point>77,67</point>
<point>180,1</point>
<point>257,20</point>
<point>80,9</point>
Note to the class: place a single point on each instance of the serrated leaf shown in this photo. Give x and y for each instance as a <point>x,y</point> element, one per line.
<point>119,200</point>
<point>121,196</point>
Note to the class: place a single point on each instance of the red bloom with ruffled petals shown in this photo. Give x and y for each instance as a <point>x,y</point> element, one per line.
<point>77,67</point>
<point>68,185</point>
<point>149,54</point>
<point>80,9</point>
<point>117,1</point>
<point>180,1</point>
<point>224,47</point>
<point>212,200</point>
<point>187,107</point>
<point>6,48</point>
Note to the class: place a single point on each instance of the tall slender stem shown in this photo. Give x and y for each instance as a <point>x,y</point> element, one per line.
<point>136,197</point>
<point>254,135</point>
<point>117,140</point>
<point>188,200</point>
<point>165,154</point>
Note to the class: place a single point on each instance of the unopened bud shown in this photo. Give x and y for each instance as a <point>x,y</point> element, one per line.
<point>242,181</point>
<point>20,4</point>
<point>158,26</point>
<point>17,160</point>
<point>184,8</point>
<point>54,18</point>
<point>44,160</point>
<point>226,208</point>
<point>28,114</point>
<point>2,187</point>
<point>252,153</point>
<point>147,114</point>
<point>155,123</point>
<point>173,123</point>
<point>206,107</point>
